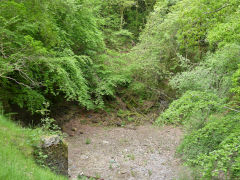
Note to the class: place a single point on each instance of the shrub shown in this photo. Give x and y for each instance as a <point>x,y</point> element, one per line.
<point>190,105</point>
<point>213,74</point>
<point>236,82</point>
<point>214,149</point>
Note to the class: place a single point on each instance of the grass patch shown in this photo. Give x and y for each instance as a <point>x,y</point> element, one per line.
<point>88,141</point>
<point>16,148</point>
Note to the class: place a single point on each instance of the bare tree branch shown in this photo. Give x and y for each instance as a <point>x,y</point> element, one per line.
<point>232,109</point>
<point>17,81</point>
<point>219,9</point>
<point>26,77</point>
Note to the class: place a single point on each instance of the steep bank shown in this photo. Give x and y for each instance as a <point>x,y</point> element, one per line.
<point>16,154</point>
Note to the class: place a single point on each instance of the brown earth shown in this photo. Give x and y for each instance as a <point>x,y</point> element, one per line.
<point>132,152</point>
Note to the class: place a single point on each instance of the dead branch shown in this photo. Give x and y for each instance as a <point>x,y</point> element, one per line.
<point>16,81</point>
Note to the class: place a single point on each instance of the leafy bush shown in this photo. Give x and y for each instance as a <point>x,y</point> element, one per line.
<point>214,149</point>
<point>236,82</point>
<point>226,31</point>
<point>214,74</point>
<point>223,162</point>
<point>54,48</point>
<point>193,46</point>
<point>184,29</point>
<point>39,51</point>
<point>191,104</point>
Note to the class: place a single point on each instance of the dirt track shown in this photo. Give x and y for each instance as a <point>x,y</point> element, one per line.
<point>138,153</point>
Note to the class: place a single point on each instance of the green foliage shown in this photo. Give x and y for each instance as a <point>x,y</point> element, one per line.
<point>204,63</point>
<point>66,74</point>
<point>37,53</point>
<point>83,30</point>
<point>193,104</point>
<point>122,38</point>
<point>88,141</point>
<point>113,75</point>
<point>180,33</point>
<point>223,162</point>
<point>55,48</point>
<point>48,124</point>
<point>153,59</point>
<point>213,74</point>
<point>214,149</point>
<point>236,82</point>
<point>121,21</point>
<point>16,147</point>
<point>197,19</point>
<point>192,46</point>
<point>226,31</point>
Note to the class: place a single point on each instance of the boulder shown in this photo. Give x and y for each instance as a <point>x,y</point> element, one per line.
<point>48,141</point>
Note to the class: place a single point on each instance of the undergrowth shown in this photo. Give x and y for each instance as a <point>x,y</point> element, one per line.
<point>192,104</point>
<point>211,145</point>
<point>215,148</point>
<point>16,153</point>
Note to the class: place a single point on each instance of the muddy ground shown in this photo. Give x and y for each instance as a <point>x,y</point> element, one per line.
<point>131,152</point>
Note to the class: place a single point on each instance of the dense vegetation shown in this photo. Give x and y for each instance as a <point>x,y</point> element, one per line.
<point>56,49</point>
<point>194,47</point>
<point>185,53</point>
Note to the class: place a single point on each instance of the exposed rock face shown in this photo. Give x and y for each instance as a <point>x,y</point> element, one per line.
<point>50,141</point>
<point>56,150</point>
